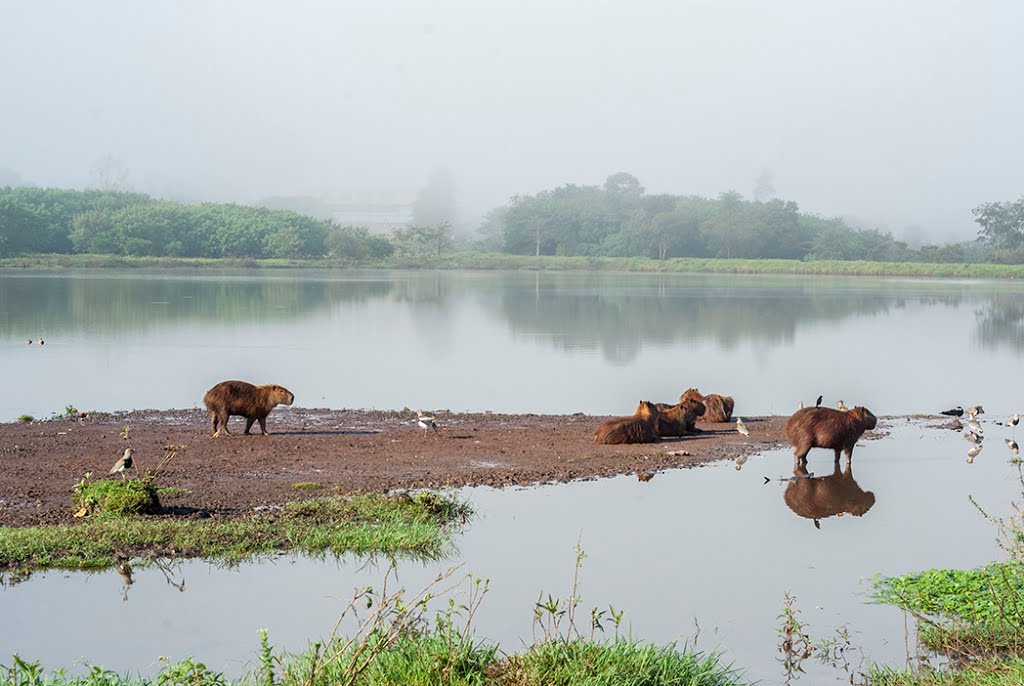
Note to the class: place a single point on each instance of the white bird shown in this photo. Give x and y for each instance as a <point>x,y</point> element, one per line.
<point>740,461</point>
<point>1013,421</point>
<point>425,422</point>
<point>124,463</point>
<point>801,405</point>
<point>973,453</point>
<point>975,410</point>
<point>1012,445</point>
<point>973,437</point>
<point>975,426</point>
<point>841,407</point>
<point>741,427</point>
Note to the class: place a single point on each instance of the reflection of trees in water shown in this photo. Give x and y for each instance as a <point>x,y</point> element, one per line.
<point>53,305</point>
<point>620,321</point>
<point>1001,323</point>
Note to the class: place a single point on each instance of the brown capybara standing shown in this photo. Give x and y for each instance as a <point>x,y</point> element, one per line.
<point>243,399</point>
<point>678,420</point>
<point>636,429</point>
<point>719,407</point>
<point>823,427</point>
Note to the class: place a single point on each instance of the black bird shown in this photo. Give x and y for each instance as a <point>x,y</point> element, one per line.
<point>818,404</point>
<point>955,412</point>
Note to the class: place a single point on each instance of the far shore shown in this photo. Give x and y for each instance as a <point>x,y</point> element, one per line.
<point>500,261</point>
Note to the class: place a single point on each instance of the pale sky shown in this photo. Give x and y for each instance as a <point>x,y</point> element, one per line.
<point>898,113</point>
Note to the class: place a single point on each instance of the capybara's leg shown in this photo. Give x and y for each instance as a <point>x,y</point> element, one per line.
<point>263,426</point>
<point>249,422</point>
<point>838,452</point>
<point>849,455</point>
<point>223,417</point>
<point>213,420</point>
<point>800,456</point>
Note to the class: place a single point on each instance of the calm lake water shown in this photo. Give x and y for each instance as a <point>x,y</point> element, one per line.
<point>713,547</point>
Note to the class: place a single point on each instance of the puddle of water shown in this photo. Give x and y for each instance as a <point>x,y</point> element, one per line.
<point>712,544</point>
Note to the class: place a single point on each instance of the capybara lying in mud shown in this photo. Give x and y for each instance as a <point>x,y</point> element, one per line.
<point>636,429</point>
<point>823,427</point>
<point>678,420</point>
<point>719,407</point>
<point>827,496</point>
<point>245,400</point>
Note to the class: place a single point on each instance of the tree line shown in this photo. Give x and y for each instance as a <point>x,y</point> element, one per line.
<point>619,219</point>
<point>616,219</point>
<point>51,220</point>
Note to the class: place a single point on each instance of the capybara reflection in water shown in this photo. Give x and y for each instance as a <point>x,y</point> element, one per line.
<point>243,399</point>
<point>719,407</point>
<point>827,496</point>
<point>636,429</point>
<point>678,420</point>
<point>823,427</point>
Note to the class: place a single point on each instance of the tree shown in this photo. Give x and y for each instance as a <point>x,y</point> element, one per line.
<point>623,184</point>
<point>1002,224</point>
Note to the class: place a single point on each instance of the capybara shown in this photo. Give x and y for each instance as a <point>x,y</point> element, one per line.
<point>678,420</point>
<point>827,496</point>
<point>823,427</point>
<point>636,429</point>
<point>243,399</point>
<point>719,407</point>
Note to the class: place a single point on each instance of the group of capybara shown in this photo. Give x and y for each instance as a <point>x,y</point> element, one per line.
<point>652,421</point>
<point>810,427</point>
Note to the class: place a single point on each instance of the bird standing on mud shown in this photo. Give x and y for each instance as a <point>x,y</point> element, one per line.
<point>425,422</point>
<point>975,410</point>
<point>741,427</point>
<point>124,463</point>
<point>1012,446</point>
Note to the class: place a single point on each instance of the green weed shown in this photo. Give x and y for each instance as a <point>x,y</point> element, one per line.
<point>25,418</point>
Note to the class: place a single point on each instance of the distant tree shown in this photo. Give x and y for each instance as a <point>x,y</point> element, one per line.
<point>623,184</point>
<point>425,239</point>
<point>356,243</point>
<point>764,189</point>
<point>435,203</point>
<point>1002,226</point>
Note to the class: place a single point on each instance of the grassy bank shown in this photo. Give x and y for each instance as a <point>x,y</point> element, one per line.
<point>371,523</point>
<point>499,261</point>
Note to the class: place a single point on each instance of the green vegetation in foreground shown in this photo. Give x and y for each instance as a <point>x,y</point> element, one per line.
<point>983,673</point>
<point>116,498</point>
<point>499,261</point>
<point>395,640</point>
<point>975,612</point>
<point>365,523</point>
<point>26,418</point>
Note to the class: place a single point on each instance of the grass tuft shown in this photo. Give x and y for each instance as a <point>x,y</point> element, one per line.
<point>116,498</point>
<point>307,485</point>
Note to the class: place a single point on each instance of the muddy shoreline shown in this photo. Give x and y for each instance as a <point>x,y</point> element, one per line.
<point>332,452</point>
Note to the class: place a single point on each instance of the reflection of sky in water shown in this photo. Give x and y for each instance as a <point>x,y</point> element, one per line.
<point>513,342</point>
<point>711,543</point>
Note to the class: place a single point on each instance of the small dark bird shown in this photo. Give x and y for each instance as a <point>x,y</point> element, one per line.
<point>29,341</point>
<point>818,404</point>
<point>767,480</point>
<point>955,412</point>
<point>123,464</point>
<point>817,523</point>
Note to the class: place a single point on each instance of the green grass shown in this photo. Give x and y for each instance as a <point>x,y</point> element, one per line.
<point>115,497</point>
<point>365,523</point>
<point>500,261</point>
<point>976,611</point>
<point>26,418</point>
<point>307,485</point>
<point>984,673</point>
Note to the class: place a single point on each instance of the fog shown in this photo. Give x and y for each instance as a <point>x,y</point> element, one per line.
<point>898,114</point>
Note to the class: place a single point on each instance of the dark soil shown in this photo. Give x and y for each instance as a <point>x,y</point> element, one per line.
<point>343,451</point>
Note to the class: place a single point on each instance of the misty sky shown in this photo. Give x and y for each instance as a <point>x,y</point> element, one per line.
<point>898,113</point>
